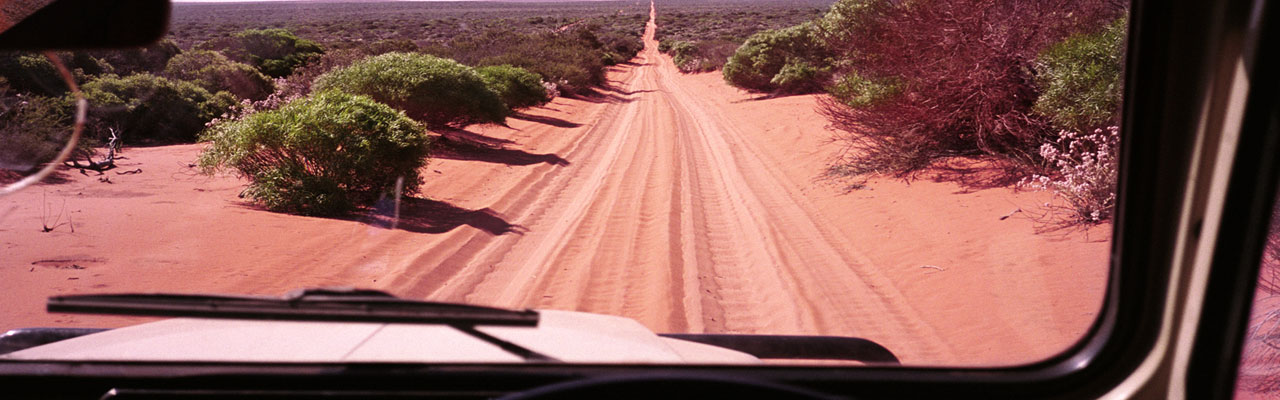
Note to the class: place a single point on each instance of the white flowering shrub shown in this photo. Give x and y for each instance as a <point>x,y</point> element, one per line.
<point>1084,168</point>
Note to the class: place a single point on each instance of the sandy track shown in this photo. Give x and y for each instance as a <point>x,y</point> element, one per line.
<point>671,199</point>
<point>669,216</point>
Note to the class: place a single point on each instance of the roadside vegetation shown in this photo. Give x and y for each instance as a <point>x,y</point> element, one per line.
<point>701,35</point>
<point>574,60</point>
<point>1030,88</point>
<point>787,60</point>
<point>213,71</point>
<point>430,89</point>
<point>32,128</point>
<point>274,93</point>
<point>515,86</point>
<point>358,24</point>
<point>148,109</point>
<point>288,154</point>
<point>275,52</point>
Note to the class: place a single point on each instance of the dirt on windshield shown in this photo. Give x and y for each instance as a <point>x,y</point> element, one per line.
<point>669,198</point>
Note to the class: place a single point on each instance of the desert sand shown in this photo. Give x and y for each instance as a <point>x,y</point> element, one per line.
<point>672,199</point>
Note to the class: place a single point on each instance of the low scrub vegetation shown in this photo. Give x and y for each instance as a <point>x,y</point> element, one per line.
<point>700,36</point>
<point>321,155</point>
<point>276,104</point>
<point>31,73</point>
<point>33,130</point>
<point>299,82</point>
<point>148,109</point>
<point>151,58</point>
<point>1079,79</point>
<point>946,78</point>
<point>912,83</point>
<point>701,55</point>
<point>275,52</point>
<point>516,87</point>
<point>358,24</point>
<point>214,72</point>
<point>574,59</point>
<point>963,76</point>
<point>434,90</point>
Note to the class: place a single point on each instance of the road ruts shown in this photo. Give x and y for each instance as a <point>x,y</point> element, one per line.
<point>668,214</point>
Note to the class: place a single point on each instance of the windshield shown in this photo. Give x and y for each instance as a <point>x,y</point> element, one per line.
<point>932,176</point>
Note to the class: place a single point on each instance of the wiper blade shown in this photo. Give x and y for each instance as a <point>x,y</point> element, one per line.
<point>336,305</point>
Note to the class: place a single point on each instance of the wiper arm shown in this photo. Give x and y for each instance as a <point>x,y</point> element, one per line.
<point>339,305</point>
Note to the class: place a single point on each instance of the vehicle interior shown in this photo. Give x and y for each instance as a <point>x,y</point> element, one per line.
<point>1200,134</point>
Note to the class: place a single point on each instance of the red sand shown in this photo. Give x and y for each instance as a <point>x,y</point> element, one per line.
<point>672,199</point>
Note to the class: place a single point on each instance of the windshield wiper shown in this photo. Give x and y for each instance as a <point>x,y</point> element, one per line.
<point>338,305</point>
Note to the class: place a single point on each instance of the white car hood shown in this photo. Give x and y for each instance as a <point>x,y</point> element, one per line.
<point>566,336</point>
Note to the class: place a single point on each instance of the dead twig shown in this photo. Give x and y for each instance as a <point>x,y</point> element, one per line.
<point>106,164</point>
<point>44,216</point>
<point>1010,214</point>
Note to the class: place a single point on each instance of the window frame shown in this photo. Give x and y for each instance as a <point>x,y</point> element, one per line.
<point>1246,217</point>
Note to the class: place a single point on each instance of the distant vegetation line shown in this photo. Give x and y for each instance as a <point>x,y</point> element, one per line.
<point>346,24</point>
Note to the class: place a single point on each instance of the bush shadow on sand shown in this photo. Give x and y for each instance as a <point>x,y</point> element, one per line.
<point>463,145</point>
<point>542,119</point>
<point>434,216</point>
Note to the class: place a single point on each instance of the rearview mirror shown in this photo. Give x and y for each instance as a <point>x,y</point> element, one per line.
<point>81,24</point>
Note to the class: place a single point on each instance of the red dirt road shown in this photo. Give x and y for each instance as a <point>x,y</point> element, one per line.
<point>671,199</point>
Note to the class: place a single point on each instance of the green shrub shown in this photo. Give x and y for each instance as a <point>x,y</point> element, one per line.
<point>145,108</point>
<point>151,58</point>
<point>798,76</point>
<point>215,72</point>
<point>516,87</point>
<point>275,52</point>
<point>853,90</point>
<point>83,64</point>
<point>1080,79</point>
<point>756,64</point>
<point>33,130</point>
<point>430,89</point>
<point>320,155</point>
<point>31,73</point>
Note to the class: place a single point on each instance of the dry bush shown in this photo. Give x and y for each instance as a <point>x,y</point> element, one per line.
<point>962,73</point>
<point>1260,358</point>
